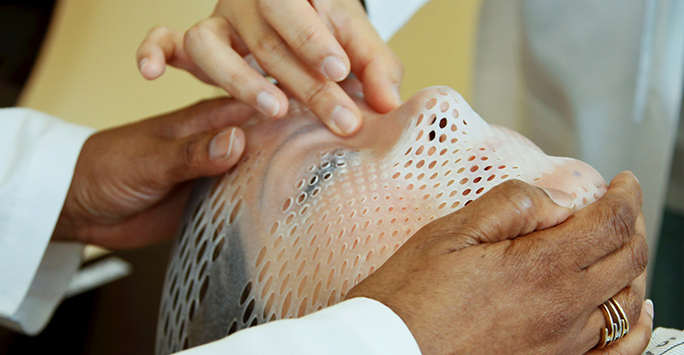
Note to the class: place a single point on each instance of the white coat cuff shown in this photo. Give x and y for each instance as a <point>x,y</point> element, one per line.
<point>36,167</point>
<point>356,326</point>
<point>58,266</point>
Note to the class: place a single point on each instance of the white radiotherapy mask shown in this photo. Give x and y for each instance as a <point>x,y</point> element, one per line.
<point>305,215</point>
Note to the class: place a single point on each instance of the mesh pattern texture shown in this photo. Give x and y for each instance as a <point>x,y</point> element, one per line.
<point>305,215</point>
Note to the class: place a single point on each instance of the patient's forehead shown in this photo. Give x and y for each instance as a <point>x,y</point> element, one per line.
<point>306,214</point>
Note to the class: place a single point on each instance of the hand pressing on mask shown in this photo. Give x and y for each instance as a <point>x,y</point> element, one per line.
<point>130,183</point>
<point>307,46</point>
<point>514,273</point>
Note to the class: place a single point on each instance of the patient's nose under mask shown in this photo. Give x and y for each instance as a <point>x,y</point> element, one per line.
<point>306,215</point>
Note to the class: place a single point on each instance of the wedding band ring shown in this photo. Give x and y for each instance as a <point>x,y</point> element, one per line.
<point>617,324</point>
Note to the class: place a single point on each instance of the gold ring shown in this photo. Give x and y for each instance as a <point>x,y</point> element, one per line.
<point>616,321</point>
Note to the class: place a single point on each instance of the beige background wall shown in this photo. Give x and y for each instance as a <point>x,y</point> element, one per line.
<point>437,46</point>
<point>87,72</point>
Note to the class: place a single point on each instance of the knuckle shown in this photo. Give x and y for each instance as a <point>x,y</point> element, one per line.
<point>639,251</point>
<point>619,219</point>
<point>266,44</point>
<point>520,196</point>
<point>195,35</point>
<point>517,186</point>
<point>317,93</point>
<point>190,160</point>
<point>307,36</point>
<point>576,256</point>
<point>235,84</point>
<point>631,304</point>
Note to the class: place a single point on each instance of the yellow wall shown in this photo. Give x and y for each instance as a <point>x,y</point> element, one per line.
<point>87,72</point>
<point>437,46</point>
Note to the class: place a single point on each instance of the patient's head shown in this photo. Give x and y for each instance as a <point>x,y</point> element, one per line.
<point>306,214</point>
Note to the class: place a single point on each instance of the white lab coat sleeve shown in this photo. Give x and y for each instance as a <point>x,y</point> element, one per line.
<point>38,154</point>
<point>356,326</point>
<point>388,16</point>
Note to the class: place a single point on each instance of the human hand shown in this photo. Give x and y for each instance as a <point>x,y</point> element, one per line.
<point>307,46</point>
<point>130,183</point>
<point>498,277</point>
<point>639,335</point>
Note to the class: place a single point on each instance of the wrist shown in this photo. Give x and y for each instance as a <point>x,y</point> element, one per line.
<point>64,229</point>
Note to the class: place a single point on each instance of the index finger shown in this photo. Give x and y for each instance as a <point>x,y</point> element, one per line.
<point>606,225</point>
<point>372,61</point>
<point>308,37</point>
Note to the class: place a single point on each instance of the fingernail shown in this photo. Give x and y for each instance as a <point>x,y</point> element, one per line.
<point>395,92</point>
<point>268,104</point>
<point>221,145</point>
<point>561,198</point>
<point>648,304</point>
<point>345,119</point>
<point>142,63</point>
<point>334,68</point>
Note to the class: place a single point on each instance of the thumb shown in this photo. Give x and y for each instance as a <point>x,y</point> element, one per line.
<point>508,210</point>
<point>203,154</point>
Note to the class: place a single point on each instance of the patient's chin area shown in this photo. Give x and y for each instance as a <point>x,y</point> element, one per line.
<point>306,215</point>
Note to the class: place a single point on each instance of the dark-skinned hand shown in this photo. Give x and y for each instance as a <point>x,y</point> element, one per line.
<point>130,184</point>
<point>514,273</point>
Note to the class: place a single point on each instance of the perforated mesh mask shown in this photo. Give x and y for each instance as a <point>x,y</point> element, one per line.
<point>306,215</point>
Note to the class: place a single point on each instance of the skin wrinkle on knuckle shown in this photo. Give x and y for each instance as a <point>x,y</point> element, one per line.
<point>308,36</point>
<point>633,307</point>
<point>237,83</point>
<point>612,224</point>
<point>266,46</point>
<point>427,237</point>
<point>518,195</point>
<point>639,253</point>
<point>317,93</point>
<point>189,157</point>
<point>475,229</point>
<point>579,255</point>
<point>630,299</point>
<point>622,221</point>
